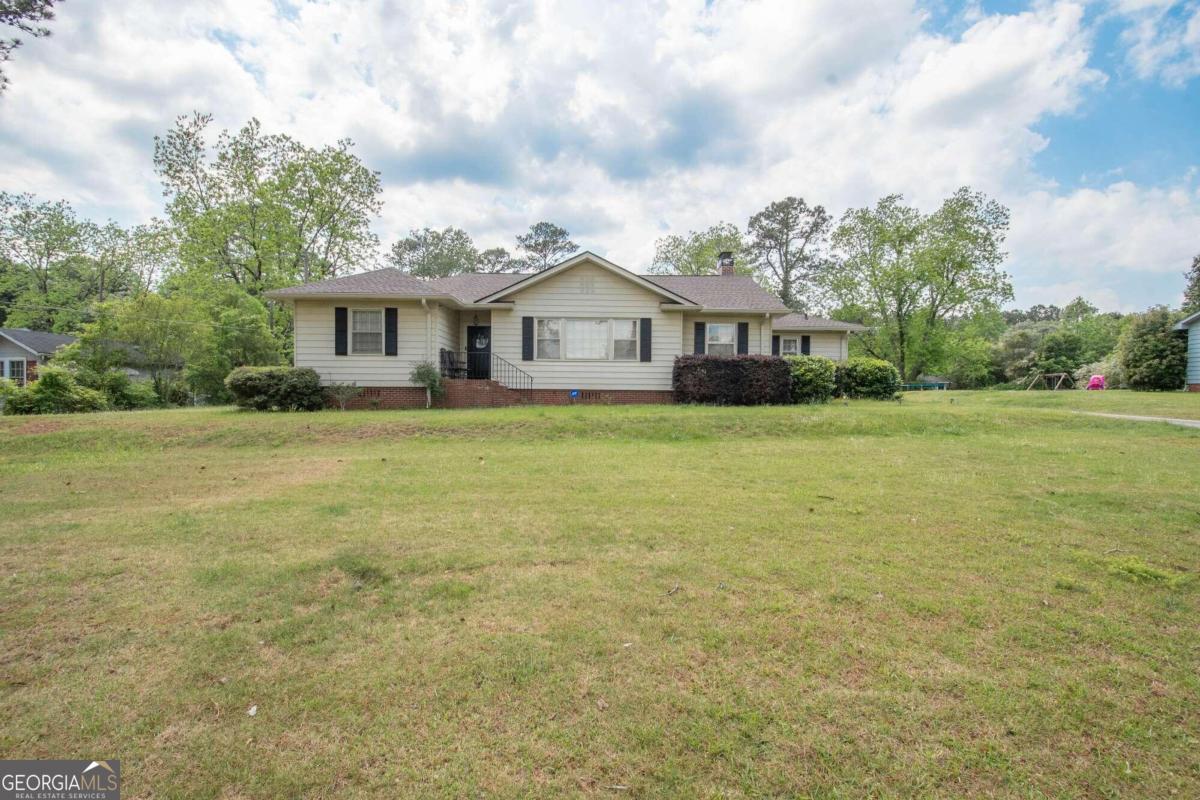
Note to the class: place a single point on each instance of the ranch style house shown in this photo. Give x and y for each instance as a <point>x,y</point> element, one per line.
<point>583,330</point>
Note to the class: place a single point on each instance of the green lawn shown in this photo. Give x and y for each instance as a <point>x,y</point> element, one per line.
<point>994,597</point>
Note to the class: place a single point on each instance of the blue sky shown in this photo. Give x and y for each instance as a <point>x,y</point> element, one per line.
<point>629,120</point>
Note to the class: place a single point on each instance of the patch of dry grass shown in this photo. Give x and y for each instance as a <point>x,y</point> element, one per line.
<point>874,599</point>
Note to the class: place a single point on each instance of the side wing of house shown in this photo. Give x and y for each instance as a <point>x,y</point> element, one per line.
<point>583,329</point>
<point>830,344</point>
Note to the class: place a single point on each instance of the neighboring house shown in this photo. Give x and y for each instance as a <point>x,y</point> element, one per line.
<point>583,330</point>
<point>1192,326</point>
<point>23,350</point>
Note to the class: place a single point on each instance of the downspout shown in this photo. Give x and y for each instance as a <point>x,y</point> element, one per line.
<point>765,348</point>
<point>428,339</point>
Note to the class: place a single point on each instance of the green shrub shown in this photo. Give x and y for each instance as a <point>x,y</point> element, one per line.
<point>870,378</point>
<point>425,373</point>
<point>813,378</point>
<point>342,394</point>
<point>1152,353</point>
<point>732,380</point>
<point>276,388</point>
<point>55,392</point>
<point>122,392</point>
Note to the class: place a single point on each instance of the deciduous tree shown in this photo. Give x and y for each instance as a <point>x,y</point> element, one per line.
<point>697,252</point>
<point>908,272</point>
<point>263,210</point>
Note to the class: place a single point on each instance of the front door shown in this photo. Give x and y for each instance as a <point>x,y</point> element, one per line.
<point>479,351</point>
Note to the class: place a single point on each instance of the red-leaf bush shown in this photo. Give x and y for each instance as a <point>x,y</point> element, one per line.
<point>732,380</point>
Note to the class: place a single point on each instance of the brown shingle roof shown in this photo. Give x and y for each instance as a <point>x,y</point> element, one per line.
<point>387,281</point>
<point>710,291</point>
<point>470,286</point>
<point>720,291</point>
<point>40,342</point>
<point>803,322</point>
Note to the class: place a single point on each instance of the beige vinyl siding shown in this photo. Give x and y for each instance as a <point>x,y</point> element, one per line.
<point>590,291</point>
<point>760,330</point>
<point>830,344</point>
<point>314,344</point>
<point>446,335</point>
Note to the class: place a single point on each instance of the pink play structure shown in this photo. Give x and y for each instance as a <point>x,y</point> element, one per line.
<point>1097,383</point>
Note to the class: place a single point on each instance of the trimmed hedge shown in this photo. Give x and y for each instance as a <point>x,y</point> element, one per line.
<point>870,378</point>
<point>813,378</point>
<point>276,388</point>
<point>732,380</point>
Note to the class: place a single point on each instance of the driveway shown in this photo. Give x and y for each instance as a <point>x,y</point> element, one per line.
<point>1186,423</point>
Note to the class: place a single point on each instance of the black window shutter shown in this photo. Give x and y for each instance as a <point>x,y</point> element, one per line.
<point>644,335</point>
<point>699,346</point>
<point>775,345</point>
<point>805,345</point>
<point>527,338</point>
<point>389,332</point>
<point>341,337</point>
<point>743,338</point>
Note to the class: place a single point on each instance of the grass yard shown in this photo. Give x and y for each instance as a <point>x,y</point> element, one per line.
<point>991,598</point>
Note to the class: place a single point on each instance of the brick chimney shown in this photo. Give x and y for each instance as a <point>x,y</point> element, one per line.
<point>725,263</point>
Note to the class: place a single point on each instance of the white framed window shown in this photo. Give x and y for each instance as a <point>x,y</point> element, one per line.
<point>549,338</point>
<point>625,339</point>
<point>587,339</point>
<point>790,348</point>
<point>722,339</point>
<point>16,371</point>
<point>366,331</point>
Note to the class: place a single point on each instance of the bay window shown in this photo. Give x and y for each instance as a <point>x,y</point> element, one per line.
<point>366,331</point>
<point>722,339</point>
<point>581,339</point>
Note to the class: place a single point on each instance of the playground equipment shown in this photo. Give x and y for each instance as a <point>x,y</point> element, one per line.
<point>1052,381</point>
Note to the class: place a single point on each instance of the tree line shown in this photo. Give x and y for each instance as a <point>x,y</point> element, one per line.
<point>249,211</point>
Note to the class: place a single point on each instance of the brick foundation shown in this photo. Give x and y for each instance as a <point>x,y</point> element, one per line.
<point>489,394</point>
<point>616,397</point>
<point>389,397</point>
<point>1194,387</point>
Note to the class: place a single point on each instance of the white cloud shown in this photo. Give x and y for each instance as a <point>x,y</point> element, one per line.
<point>620,120</point>
<point>1163,38</point>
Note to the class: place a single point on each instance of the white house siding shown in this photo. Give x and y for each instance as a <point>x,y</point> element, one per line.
<point>831,344</point>
<point>314,344</point>
<point>1193,368</point>
<point>446,333</point>
<point>760,330</point>
<point>11,352</point>
<point>590,291</point>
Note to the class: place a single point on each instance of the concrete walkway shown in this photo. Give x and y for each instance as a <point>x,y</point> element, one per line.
<point>1186,423</point>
